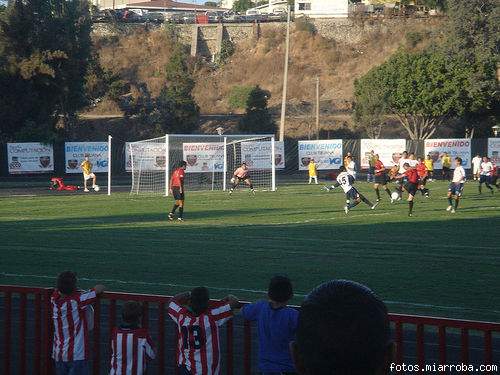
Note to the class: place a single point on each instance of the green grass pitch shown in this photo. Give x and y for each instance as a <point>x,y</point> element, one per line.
<point>434,263</point>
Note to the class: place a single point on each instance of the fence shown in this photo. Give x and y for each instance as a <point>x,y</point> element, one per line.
<point>27,342</point>
<point>118,160</point>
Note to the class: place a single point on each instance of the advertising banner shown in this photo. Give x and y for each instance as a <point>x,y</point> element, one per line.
<point>151,156</point>
<point>30,158</point>
<point>75,153</point>
<point>257,154</point>
<point>454,147</point>
<point>203,157</point>
<point>388,150</point>
<point>326,153</point>
<point>494,150</point>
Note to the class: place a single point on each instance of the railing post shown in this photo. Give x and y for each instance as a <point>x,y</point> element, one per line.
<point>96,349</point>
<point>161,338</point>
<point>7,330</point>
<point>442,346</point>
<point>488,355</point>
<point>399,343</point>
<point>229,347</point>
<point>247,345</point>
<point>145,315</point>
<point>420,346</point>
<point>464,350</point>
<point>47,363</point>
<point>37,363</point>
<point>22,334</point>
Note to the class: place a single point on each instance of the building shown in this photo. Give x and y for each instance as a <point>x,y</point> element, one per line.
<point>322,8</point>
<point>272,6</point>
<point>228,4</point>
<point>153,5</point>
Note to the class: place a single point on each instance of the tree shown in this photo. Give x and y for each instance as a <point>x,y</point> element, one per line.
<point>370,106</point>
<point>45,48</point>
<point>420,89</point>
<point>241,6</point>
<point>177,109</point>
<point>211,4</point>
<point>257,118</point>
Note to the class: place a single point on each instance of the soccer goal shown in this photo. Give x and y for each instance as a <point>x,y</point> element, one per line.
<point>211,161</point>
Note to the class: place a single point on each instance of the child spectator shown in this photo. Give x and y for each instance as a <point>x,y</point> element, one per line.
<point>70,316</point>
<point>276,324</point>
<point>198,328</point>
<point>131,345</point>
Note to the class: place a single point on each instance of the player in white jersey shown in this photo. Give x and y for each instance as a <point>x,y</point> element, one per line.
<point>486,173</point>
<point>456,186</point>
<point>476,166</point>
<point>412,160</point>
<point>400,182</point>
<point>353,197</point>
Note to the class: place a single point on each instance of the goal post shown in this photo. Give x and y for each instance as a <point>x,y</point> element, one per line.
<point>211,160</point>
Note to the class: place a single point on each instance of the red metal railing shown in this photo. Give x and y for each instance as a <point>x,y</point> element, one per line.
<point>20,303</point>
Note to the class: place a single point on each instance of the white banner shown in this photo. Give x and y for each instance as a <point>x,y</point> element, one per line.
<point>388,150</point>
<point>326,153</point>
<point>494,150</point>
<point>30,158</point>
<point>257,154</point>
<point>75,153</point>
<point>151,156</point>
<point>459,147</point>
<point>203,157</point>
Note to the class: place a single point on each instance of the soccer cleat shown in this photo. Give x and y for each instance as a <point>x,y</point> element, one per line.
<point>253,191</point>
<point>170,216</point>
<point>410,214</point>
<point>399,198</point>
<point>230,191</point>
<point>392,200</point>
<point>375,205</point>
<point>378,200</point>
<point>180,219</point>
<point>346,210</point>
<point>453,211</point>
<point>449,208</point>
<point>427,195</point>
<point>86,190</point>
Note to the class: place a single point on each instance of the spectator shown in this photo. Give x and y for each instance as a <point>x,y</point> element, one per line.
<point>131,345</point>
<point>429,165</point>
<point>351,166</point>
<point>70,314</point>
<point>276,324</point>
<point>343,329</point>
<point>198,326</point>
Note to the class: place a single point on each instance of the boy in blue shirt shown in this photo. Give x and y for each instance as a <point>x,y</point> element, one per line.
<point>276,324</point>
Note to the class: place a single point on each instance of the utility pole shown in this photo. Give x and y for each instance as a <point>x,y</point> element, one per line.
<point>285,78</point>
<point>317,107</point>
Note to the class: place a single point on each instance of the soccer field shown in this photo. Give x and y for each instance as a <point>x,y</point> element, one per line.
<point>434,263</point>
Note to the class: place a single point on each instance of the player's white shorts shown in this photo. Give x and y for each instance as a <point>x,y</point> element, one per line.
<point>475,170</point>
<point>88,176</point>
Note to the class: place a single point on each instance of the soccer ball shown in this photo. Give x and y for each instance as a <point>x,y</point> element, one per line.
<point>97,188</point>
<point>395,195</point>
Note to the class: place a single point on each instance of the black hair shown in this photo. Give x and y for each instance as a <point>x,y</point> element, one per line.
<point>199,300</point>
<point>66,282</point>
<point>280,289</point>
<point>459,160</point>
<point>343,328</point>
<point>132,311</point>
<point>406,164</point>
<point>342,168</point>
<point>182,164</point>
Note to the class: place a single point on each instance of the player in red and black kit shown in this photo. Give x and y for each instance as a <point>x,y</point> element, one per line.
<point>380,178</point>
<point>422,175</point>
<point>177,190</point>
<point>411,184</point>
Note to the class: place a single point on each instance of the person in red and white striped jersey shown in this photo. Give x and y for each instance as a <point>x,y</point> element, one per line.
<point>71,312</point>
<point>198,327</point>
<point>131,345</point>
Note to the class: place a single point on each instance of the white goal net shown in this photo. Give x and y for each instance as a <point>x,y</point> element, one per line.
<point>211,161</point>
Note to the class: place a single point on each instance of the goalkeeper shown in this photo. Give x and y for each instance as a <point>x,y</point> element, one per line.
<point>241,174</point>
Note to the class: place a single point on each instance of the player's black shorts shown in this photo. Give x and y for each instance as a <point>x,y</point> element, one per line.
<point>411,188</point>
<point>176,192</point>
<point>243,179</point>
<point>352,194</point>
<point>423,180</point>
<point>456,189</point>
<point>382,179</point>
<point>484,179</point>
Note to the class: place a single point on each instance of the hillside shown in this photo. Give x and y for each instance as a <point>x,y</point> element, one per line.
<point>140,56</point>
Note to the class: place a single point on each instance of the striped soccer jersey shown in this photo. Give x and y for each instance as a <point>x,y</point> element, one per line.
<point>130,348</point>
<point>198,346</point>
<point>71,325</point>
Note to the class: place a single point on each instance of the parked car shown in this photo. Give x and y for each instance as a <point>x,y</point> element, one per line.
<point>155,17</point>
